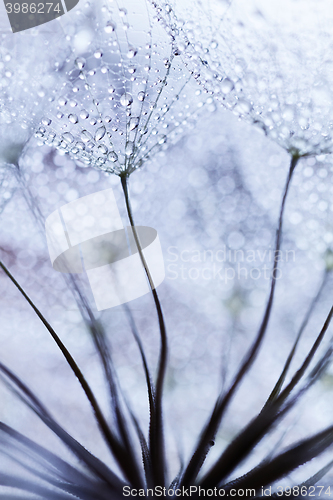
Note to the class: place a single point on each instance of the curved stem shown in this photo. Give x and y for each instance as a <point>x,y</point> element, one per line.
<point>278,386</point>
<point>115,446</point>
<point>156,438</point>
<point>211,428</point>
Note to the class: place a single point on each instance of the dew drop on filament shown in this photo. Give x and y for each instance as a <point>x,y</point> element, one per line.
<point>100,133</point>
<point>86,136</point>
<point>80,62</point>
<point>227,86</point>
<point>126,99</point>
<point>113,156</point>
<point>134,122</point>
<point>98,54</point>
<point>68,137</point>
<point>131,53</point>
<point>84,114</point>
<point>109,27</point>
<point>129,148</point>
<point>141,96</point>
<point>73,118</point>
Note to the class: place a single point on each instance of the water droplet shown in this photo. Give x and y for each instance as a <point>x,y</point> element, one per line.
<point>68,137</point>
<point>288,113</point>
<point>62,101</point>
<point>168,8</point>
<point>243,106</point>
<point>73,118</point>
<point>100,133</point>
<point>126,99</point>
<point>303,123</point>
<point>72,104</point>
<point>84,114</point>
<point>103,149</point>
<point>111,89</point>
<point>80,62</point>
<point>93,121</point>
<point>132,52</point>
<point>134,122</point>
<point>79,145</point>
<point>75,89</point>
<point>131,70</point>
<point>86,136</point>
<point>129,148</point>
<point>227,86</point>
<point>98,53</point>
<point>46,121</point>
<point>122,12</point>
<point>214,44</point>
<point>162,139</point>
<point>109,27</point>
<point>60,115</point>
<point>107,119</point>
<point>113,156</point>
<point>141,96</point>
<point>104,69</point>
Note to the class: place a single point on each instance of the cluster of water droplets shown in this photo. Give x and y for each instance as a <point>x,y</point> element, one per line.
<point>27,82</point>
<point>269,64</point>
<point>310,206</point>
<point>125,96</point>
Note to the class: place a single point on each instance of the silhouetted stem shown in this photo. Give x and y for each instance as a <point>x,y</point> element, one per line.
<point>210,430</point>
<point>277,388</point>
<point>156,424</point>
<point>112,441</point>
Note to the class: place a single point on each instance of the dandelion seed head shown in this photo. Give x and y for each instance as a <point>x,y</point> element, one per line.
<point>267,63</point>
<point>125,97</point>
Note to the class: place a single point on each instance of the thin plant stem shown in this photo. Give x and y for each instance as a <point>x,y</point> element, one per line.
<point>94,328</point>
<point>156,437</point>
<point>115,446</point>
<point>211,428</point>
<point>277,388</point>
